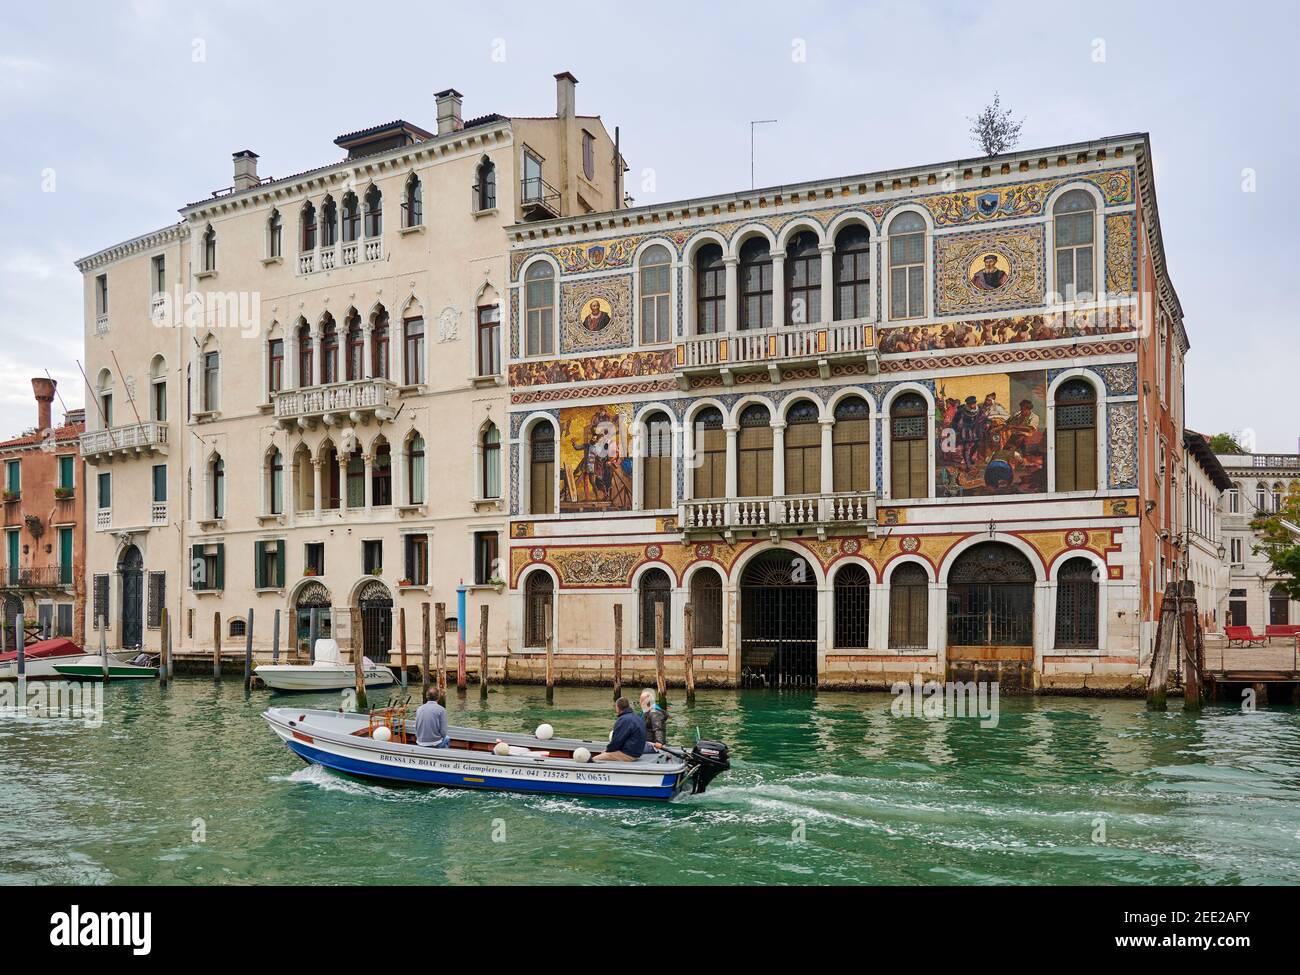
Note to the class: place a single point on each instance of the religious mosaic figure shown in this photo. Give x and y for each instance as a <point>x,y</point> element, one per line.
<point>990,277</point>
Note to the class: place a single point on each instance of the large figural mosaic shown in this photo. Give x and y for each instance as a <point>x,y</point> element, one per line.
<point>595,469</point>
<point>990,435</point>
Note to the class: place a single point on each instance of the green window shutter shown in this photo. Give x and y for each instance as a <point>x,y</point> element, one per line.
<point>259,582</point>
<point>65,472</point>
<point>279,563</point>
<point>65,556</point>
<point>220,581</point>
<point>196,568</point>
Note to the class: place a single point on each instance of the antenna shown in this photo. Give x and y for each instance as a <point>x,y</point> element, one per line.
<point>761,121</point>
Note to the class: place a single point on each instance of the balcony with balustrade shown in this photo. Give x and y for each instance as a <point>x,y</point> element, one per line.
<point>36,578</point>
<point>799,514</point>
<point>346,253</point>
<point>776,350</point>
<point>336,404</point>
<point>122,442</point>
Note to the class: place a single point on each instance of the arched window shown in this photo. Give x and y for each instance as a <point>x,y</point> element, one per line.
<point>238,627</point>
<point>413,350</point>
<point>275,470</point>
<point>307,223</point>
<point>217,501</point>
<point>331,487</point>
<point>413,204</point>
<point>209,249</point>
<point>541,469</point>
<point>754,452</point>
<point>415,469</point>
<point>329,212</point>
<point>351,217</point>
<point>485,185</point>
<point>539,309</point>
<point>908,448</point>
<point>356,479</point>
<point>381,476</point>
<point>356,347</point>
<point>1277,497</point>
<point>710,290</point>
<point>907,266</point>
<point>1072,217</point>
<point>1076,436</point>
<point>656,321</point>
<point>803,449</point>
<point>1279,606</point>
<point>379,344</point>
<point>852,272</point>
<point>329,351</point>
<point>1234,499</point>
<point>211,381</point>
<point>755,284</point>
<point>803,279</point>
<point>710,477</point>
<point>274,234</point>
<point>657,470</point>
<point>490,475</point>
<point>909,608</point>
<point>656,590</point>
<point>1261,498</point>
<point>538,591</point>
<point>852,607</point>
<point>306,367</point>
<point>851,446</point>
<point>1076,605</point>
<point>374,212</point>
<point>274,368</point>
<point>706,605</point>
<point>991,598</point>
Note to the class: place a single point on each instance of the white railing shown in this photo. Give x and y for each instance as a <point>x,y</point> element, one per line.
<point>792,510</point>
<point>130,437</point>
<point>306,263</point>
<point>375,249</point>
<point>360,394</point>
<point>775,344</point>
<point>103,519</point>
<point>158,513</point>
<point>156,304</point>
<point>101,324</point>
<point>343,254</point>
<point>328,258</point>
<point>349,253</point>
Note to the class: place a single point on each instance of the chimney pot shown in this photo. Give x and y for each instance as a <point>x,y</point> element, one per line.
<point>565,95</point>
<point>44,390</point>
<point>449,119</point>
<point>245,169</point>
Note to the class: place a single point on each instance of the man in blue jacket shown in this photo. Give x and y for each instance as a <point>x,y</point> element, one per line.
<point>627,742</point>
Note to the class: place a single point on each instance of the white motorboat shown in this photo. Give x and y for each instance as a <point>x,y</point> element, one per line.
<point>42,659</point>
<point>328,672</point>
<point>381,746</point>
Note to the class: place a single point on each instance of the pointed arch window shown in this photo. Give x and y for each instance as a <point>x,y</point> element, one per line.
<point>485,186</point>
<point>415,469</point>
<point>307,223</point>
<point>351,217</point>
<point>413,204</point>
<point>490,475</point>
<point>306,366</point>
<point>381,476</point>
<point>274,234</point>
<point>413,350</point>
<point>379,345</point>
<point>275,468</point>
<point>374,212</point>
<point>211,381</point>
<point>274,367</point>
<point>356,348</point>
<point>907,266</point>
<point>209,249</point>
<point>217,502</point>
<point>329,351</point>
<point>329,212</point>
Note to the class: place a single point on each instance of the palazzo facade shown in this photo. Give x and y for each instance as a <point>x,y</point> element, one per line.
<point>918,421</point>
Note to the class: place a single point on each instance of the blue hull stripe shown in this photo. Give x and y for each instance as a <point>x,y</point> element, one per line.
<point>373,770</point>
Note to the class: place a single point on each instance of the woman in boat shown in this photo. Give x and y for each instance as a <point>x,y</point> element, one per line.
<point>656,719</point>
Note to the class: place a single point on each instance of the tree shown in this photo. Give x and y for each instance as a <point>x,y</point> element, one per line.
<point>1279,541</point>
<point>1226,443</point>
<point>993,130</point>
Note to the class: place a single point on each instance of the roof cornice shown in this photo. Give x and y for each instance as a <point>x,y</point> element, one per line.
<point>136,245</point>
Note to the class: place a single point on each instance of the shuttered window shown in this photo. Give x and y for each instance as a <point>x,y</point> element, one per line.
<point>851,445</point>
<point>803,450</point>
<point>541,483</point>
<point>99,602</point>
<point>710,479</point>
<point>909,592</point>
<point>908,450</point>
<point>657,488</point>
<point>157,596</point>
<point>754,453</point>
<point>1076,436</point>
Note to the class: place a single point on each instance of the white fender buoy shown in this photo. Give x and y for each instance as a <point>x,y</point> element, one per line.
<point>544,732</point>
<point>581,755</point>
<point>382,733</point>
<point>501,748</point>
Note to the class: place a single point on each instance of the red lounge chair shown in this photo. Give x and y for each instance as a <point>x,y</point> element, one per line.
<point>1287,631</point>
<point>1242,635</point>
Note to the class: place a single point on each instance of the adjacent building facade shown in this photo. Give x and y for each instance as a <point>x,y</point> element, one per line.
<point>925,420</point>
<point>42,579</point>
<point>1258,485</point>
<point>298,391</point>
<point>1204,551</point>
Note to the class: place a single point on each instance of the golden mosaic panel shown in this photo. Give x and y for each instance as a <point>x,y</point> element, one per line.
<point>1119,253</point>
<point>988,271</point>
<point>596,314</point>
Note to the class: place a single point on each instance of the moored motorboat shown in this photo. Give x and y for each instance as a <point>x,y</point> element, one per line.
<point>380,746</point>
<point>43,657</point>
<point>327,673</point>
<point>93,669</point>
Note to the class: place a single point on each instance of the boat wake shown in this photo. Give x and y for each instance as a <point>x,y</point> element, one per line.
<point>327,781</point>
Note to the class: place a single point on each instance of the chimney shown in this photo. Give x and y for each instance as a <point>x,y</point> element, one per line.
<point>245,170</point>
<point>449,119</point>
<point>565,95</point>
<point>44,390</point>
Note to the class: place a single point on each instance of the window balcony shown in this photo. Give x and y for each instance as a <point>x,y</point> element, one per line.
<point>346,253</point>
<point>771,350</point>
<point>103,519</point>
<point>158,513</point>
<point>539,199</point>
<point>130,440</point>
<point>791,514</point>
<point>336,404</point>
<point>101,324</point>
<point>35,577</point>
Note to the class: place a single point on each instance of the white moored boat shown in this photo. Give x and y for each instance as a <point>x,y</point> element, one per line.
<point>327,673</point>
<point>380,746</point>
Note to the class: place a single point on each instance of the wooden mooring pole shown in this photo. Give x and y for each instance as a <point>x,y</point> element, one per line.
<point>1157,684</point>
<point>358,658</point>
<point>550,654</point>
<point>164,646</point>
<point>618,650</point>
<point>20,643</point>
<point>424,652</point>
<point>401,639</point>
<point>167,646</point>
<point>103,645</point>
<point>482,652</point>
<point>1193,650</point>
<point>661,687</point>
<point>688,651</point>
<point>216,647</point>
<point>248,652</point>
<point>275,638</point>
<point>440,646</point>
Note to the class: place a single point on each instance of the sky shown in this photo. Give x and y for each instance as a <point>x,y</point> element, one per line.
<point>116,114</point>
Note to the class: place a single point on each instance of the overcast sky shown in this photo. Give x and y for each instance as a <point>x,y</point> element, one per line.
<point>135,108</point>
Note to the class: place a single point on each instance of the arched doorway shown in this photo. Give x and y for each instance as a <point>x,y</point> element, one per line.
<point>852,606</point>
<point>376,605</point>
<point>130,566</point>
<point>656,590</point>
<point>1279,606</point>
<point>538,590</point>
<point>313,600</point>
<point>706,605</point>
<point>991,598</point>
<point>778,622</point>
<point>1076,605</point>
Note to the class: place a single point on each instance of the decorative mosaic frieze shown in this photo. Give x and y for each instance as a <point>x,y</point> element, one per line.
<point>1121,253</point>
<point>591,368</point>
<point>1121,447</point>
<point>990,271</point>
<point>982,332</point>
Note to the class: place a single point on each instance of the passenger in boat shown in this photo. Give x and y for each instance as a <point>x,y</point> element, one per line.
<point>431,722</point>
<point>627,741</point>
<point>656,720</point>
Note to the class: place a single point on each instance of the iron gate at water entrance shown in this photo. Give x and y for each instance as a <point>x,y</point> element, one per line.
<point>778,622</point>
<point>131,567</point>
<point>991,598</point>
<point>376,604</point>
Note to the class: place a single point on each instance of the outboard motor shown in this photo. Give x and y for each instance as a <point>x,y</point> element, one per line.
<point>710,759</point>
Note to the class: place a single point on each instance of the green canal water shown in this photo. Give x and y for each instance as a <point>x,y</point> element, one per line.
<point>825,788</point>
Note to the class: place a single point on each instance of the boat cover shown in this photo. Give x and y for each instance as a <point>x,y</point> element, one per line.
<point>61,647</point>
